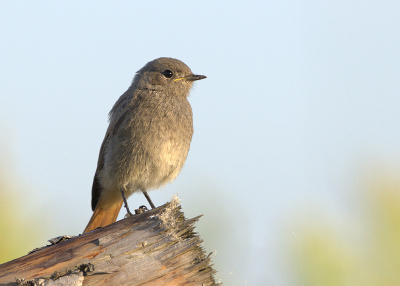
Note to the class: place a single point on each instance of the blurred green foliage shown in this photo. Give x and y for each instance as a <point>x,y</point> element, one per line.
<point>363,250</point>
<point>18,234</point>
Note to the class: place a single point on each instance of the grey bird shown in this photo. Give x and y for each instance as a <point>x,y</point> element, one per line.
<point>147,140</point>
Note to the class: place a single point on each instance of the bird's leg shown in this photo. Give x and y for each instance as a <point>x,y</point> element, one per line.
<point>125,202</point>
<point>148,199</point>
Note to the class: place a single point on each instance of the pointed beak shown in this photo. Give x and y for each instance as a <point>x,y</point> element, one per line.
<point>191,77</point>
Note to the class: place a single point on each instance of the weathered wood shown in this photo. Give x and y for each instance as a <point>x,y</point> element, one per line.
<point>157,247</point>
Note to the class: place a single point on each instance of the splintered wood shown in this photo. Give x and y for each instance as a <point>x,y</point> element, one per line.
<point>157,247</point>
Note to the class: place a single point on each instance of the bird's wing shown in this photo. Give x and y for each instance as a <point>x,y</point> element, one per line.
<point>96,187</point>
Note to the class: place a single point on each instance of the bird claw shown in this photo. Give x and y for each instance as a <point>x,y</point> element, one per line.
<point>141,210</point>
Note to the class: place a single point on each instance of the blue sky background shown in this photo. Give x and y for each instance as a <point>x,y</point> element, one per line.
<point>300,98</point>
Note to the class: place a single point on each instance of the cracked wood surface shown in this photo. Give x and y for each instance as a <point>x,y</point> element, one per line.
<point>157,247</point>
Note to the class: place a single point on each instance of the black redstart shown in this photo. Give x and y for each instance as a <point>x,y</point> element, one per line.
<point>147,140</point>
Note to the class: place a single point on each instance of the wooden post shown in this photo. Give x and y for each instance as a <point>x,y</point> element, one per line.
<point>157,247</point>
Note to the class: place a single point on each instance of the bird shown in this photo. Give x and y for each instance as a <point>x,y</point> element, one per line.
<point>148,138</point>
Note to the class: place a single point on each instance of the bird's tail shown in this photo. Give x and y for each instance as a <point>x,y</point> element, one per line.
<point>103,216</point>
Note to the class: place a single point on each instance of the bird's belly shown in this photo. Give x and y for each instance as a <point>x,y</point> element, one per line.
<point>148,169</point>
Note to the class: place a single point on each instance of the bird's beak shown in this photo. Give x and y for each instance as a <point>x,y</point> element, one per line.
<point>191,77</point>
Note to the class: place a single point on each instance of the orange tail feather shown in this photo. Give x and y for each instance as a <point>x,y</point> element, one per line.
<point>103,216</point>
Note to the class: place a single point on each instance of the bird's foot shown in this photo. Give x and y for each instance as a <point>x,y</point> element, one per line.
<point>141,210</point>
<point>126,204</point>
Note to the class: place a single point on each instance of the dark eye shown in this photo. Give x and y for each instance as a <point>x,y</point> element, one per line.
<point>167,73</point>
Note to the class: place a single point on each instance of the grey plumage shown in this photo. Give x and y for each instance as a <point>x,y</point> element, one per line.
<point>149,135</point>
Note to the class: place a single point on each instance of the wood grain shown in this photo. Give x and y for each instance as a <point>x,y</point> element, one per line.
<point>157,247</point>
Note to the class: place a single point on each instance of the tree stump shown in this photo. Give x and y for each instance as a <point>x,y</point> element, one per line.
<point>157,247</point>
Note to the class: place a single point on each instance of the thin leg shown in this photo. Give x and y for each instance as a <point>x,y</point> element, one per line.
<point>148,199</point>
<point>125,202</point>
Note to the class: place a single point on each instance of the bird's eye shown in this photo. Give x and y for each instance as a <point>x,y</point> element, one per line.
<point>167,73</point>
